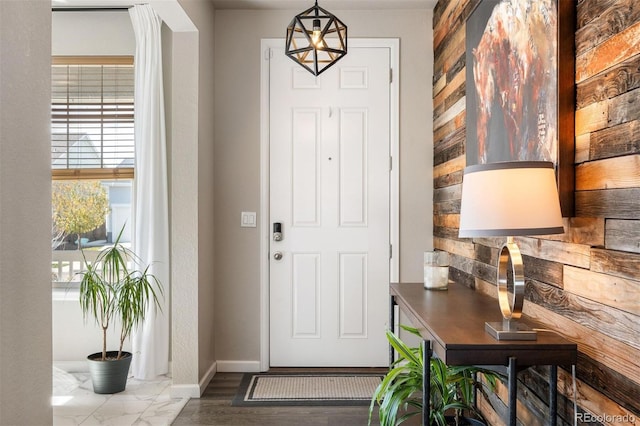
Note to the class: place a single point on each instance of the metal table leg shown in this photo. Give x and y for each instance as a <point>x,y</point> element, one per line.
<point>426,382</point>
<point>553,395</point>
<point>392,324</point>
<point>513,390</point>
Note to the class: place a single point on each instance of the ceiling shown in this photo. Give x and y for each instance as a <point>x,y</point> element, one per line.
<point>273,4</point>
<point>327,4</point>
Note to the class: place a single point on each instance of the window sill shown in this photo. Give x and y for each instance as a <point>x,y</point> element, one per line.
<point>65,294</point>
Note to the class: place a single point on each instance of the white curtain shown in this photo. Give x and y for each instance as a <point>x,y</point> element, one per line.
<point>151,341</point>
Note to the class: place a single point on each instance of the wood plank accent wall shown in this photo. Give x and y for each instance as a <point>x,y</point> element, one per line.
<point>584,284</point>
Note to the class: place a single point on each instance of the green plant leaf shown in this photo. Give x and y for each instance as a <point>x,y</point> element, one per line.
<point>404,352</point>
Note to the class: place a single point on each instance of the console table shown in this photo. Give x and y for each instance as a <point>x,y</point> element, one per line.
<point>451,322</point>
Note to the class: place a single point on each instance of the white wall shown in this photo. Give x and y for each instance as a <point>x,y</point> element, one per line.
<point>237,156</point>
<point>25,213</point>
<point>92,33</point>
<point>77,34</point>
<point>73,338</point>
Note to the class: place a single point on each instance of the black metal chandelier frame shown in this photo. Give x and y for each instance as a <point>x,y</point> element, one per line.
<point>317,56</point>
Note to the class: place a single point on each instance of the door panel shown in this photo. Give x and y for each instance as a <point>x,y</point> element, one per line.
<point>305,165</point>
<point>353,295</point>
<point>353,167</point>
<point>306,300</point>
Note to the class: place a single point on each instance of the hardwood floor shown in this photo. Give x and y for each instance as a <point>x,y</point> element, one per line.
<point>214,408</point>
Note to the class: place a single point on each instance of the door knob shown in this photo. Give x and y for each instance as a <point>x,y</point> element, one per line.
<point>277,255</point>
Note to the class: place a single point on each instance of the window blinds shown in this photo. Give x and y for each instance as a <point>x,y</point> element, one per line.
<point>92,116</point>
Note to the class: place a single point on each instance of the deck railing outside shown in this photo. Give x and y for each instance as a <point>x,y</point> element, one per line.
<point>66,264</point>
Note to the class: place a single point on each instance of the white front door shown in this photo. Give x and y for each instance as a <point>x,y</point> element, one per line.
<point>329,189</point>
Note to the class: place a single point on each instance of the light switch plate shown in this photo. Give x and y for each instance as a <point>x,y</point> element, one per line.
<point>248,220</point>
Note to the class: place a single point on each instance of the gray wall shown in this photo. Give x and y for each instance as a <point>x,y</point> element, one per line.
<point>25,213</point>
<point>194,308</point>
<point>202,14</point>
<point>236,163</point>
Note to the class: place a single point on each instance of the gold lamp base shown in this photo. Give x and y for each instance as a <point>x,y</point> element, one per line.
<point>510,330</point>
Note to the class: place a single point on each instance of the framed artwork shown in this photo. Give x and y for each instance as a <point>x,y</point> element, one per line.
<point>520,92</point>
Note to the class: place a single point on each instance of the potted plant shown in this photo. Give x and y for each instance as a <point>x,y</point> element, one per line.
<point>399,395</point>
<point>111,291</point>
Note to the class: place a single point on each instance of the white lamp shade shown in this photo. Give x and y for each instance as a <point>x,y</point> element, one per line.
<point>510,199</point>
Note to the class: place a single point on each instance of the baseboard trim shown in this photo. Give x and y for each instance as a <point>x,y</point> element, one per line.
<point>195,391</point>
<point>204,382</point>
<point>83,366</point>
<point>239,366</point>
<point>185,391</point>
<point>72,366</point>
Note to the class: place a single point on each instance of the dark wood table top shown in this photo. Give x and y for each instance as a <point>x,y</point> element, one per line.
<point>454,319</point>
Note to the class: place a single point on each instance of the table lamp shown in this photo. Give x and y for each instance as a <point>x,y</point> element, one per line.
<point>510,199</point>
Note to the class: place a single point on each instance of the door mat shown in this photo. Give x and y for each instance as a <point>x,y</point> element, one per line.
<point>306,389</point>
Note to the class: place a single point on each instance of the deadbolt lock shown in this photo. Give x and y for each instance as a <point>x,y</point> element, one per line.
<point>277,231</point>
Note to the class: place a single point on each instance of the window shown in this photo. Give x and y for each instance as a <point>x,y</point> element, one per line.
<point>92,139</point>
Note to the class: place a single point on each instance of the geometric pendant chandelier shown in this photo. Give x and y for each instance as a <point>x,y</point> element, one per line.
<point>316,39</point>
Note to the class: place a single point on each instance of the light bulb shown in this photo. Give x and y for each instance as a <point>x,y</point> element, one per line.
<point>315,35</point>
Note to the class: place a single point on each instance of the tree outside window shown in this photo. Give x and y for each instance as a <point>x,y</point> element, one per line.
<point>79,207</point>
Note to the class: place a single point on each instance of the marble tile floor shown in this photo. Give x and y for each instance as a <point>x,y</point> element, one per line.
<point>141,403</point>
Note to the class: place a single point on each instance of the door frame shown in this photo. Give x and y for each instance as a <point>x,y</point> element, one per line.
<point>393,44</point>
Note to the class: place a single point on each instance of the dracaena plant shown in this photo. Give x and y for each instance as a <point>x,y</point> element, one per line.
<point>111,290</point>
<point>399,395</point>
